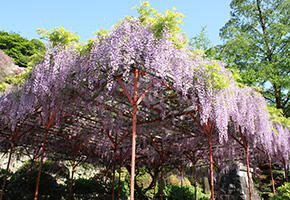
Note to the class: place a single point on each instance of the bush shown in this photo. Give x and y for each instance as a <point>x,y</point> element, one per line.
<point>86,186</point>
<point>49,188</point>
<point>282,193</point>
<point>263,182</point>
<point>175,180</point>
<point>173,192</point>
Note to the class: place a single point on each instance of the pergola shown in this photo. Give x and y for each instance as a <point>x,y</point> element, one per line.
<point>128,91</point>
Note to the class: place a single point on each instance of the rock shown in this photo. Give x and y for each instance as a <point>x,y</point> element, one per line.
<point>16,161</point>
<point>206,186</point>
<point>234,186</point>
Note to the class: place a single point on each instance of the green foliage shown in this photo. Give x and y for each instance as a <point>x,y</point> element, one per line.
<point>2,174</point>
<point>3,86</point>
<point>257,42</point>
<point>174,180</point>
<point>23,52</point>
<point>217,80</point>
<point>277,116</point>
<point>20,48</point>
<point>19,79</point>
<point>58,36</point>
<point>159,22</point>
<point>143,179</point>
<point>102,32</point>
<point>200,41</point>
<point>214,78</point>
<point>263,182</point>
<point>282,193</point>
<point>86,186</point>
<point>7,70</point>
<point>49,187</point>
<point>173,192</point>
<point>63,38</point>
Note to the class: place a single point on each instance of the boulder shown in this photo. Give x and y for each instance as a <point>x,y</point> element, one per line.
<point>234,186</point>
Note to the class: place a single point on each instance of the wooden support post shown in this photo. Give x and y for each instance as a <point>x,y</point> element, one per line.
<point>47,127</point>
<point>245,145</point>
<point>134,131</point>
<point>40,165</point>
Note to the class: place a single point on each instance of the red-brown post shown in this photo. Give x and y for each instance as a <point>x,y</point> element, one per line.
<point>195,184</point>
<point>114,173</point>
<point>211,166</point>
<point>245,145</point>
<point>47,127</point>
<point>285,170</point>
<point>135,102</point>
<point>209,131</point>
<point>135,98</point>
<point>40,165</point>
<point>248,172</point>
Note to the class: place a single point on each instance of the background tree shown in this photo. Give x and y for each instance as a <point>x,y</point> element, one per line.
<point>200,41</point>
<point>58,36</point>
<point>32,51</point>
<point>159,22</point>
<point>20,48</point>
<point>257,42</point>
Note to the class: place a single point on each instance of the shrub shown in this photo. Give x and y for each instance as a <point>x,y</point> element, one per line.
<point>282,193</point>
<point>173,192</point>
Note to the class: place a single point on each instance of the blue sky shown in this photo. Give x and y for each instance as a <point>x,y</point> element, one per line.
<point>87,16</point>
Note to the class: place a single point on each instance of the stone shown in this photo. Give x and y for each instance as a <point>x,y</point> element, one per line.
<point>234,186</point>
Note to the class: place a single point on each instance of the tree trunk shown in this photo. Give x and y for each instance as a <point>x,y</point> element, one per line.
<point>278,97</point>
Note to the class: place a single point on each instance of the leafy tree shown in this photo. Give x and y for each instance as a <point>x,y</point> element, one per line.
<point>20,48</point>
<point>159,22</point>
<point>200,41</point>
<point>58,36</point>
<point>257,42</point>
<point>201,44</point>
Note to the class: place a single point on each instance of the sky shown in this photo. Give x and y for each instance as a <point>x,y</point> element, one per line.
<point>87,16</point>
